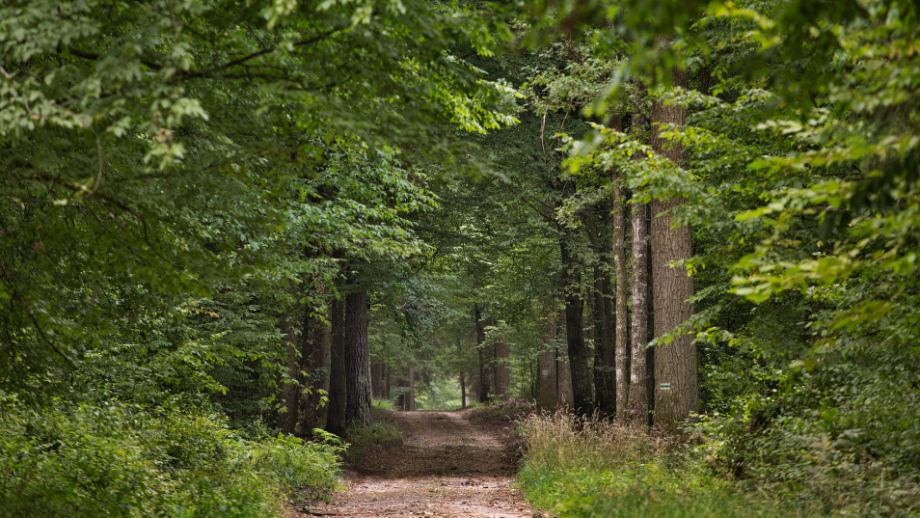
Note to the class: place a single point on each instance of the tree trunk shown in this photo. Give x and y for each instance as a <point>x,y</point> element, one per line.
<point>677,394</point>
<point>386,385</point>
<point>462,374</point>
<point>357,360</point>
<point>338,391</point>
<point>563,367</point>
<point>548,397</point>
<point>288,420</point>
<point>486,360</point>
<point>315,362</point>
<point>410,396</point>
<point>377,380</point>
<point>604,379</point>
<point>462,390</point>
<point>638,392</point>
<point>502,372</point>
<point>619,259</point>
<point>574,331</point>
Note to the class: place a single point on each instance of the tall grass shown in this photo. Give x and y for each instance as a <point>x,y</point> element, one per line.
<point>586,467</point>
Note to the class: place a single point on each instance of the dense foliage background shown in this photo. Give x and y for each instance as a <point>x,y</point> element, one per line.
<point>201,200</point>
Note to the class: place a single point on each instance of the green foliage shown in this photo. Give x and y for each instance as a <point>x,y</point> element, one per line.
<point>115,459</point>
<point>382,404</point>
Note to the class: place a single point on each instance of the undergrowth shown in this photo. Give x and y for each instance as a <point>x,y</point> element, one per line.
<point>584,467</point>
<point>382,433</point>
<point>122,460</point>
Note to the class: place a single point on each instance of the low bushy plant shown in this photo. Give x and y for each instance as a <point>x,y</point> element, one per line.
<point>115,459</point>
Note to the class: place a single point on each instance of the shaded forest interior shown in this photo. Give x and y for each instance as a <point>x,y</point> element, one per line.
<point>232,231</point>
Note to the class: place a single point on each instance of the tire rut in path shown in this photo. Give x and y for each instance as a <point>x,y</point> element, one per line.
<point>448,467</point>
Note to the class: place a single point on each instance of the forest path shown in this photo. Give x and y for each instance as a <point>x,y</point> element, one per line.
<point>450,465</point>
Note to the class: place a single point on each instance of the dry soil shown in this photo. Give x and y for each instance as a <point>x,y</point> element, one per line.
<point>450,464</point>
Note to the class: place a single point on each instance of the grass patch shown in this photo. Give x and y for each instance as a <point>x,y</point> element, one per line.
<point>588,468</point>
<point>383,404</point>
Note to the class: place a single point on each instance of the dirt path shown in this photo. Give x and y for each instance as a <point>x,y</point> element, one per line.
<point>451,465</point>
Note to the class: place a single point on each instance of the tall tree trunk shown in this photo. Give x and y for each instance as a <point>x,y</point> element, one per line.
<point>486,371</point>
<point>357,360</point>
<point>604,379</point>
<point>638,392</point>
<point>386,383</point>
<point>315,361</point>
<point>619,259</point>
<point>288,420</point>
<point>377,380</point>
<point>547,396</point>
<point>462,374</point>
<point>677,394</point>
<point>462,390</point>
<point>502,372</point>
<point>410,396</point>
<point>565,398</point>
<point>338,391</point>
<point>574,331</point>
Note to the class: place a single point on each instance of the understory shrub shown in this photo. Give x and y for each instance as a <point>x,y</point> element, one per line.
<point>114,459</point>
<point>585,467</point>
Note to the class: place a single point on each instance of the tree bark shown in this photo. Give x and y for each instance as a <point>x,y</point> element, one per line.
<point>462,374</point>
<point>288,420</point>
<point>377,380</point>
<point>604,378</point>
<point>486,371</point>
<point>502,372</point>
<point>622,276</point>
<point>677,393</point>
<point>574,331</point>
<point>357,360</point>
<point>315,360</point>
<point>547,396</point>
<point>338,391</point>
<point>638,393</point>
<point>410,396</point>
<point>563,367</point>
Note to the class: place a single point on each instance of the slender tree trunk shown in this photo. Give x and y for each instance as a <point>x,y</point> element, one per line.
<point>357,360</point>
<point>462,390</point>
<point>462,374</point>
<point>502,372</point>
<point>563,367</point>
<point>377,380</point>
<point>604,379</point>
<point>574,331</point>
<point>410,396</point>
<point>547,396</point>
<point>288,420</point>
<point>486,359</point>
<point>638,399</point>
<point>619,259</point>
<point>338,391</point>
<point>677,394</point>
<point>386,383</point>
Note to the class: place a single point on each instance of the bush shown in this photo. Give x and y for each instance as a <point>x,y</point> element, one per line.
<point>91,460</point>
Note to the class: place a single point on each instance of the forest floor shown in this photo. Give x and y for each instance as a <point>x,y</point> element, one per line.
<point>457,464</point>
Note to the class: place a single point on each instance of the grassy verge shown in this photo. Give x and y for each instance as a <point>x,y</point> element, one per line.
<point>585,468</point>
